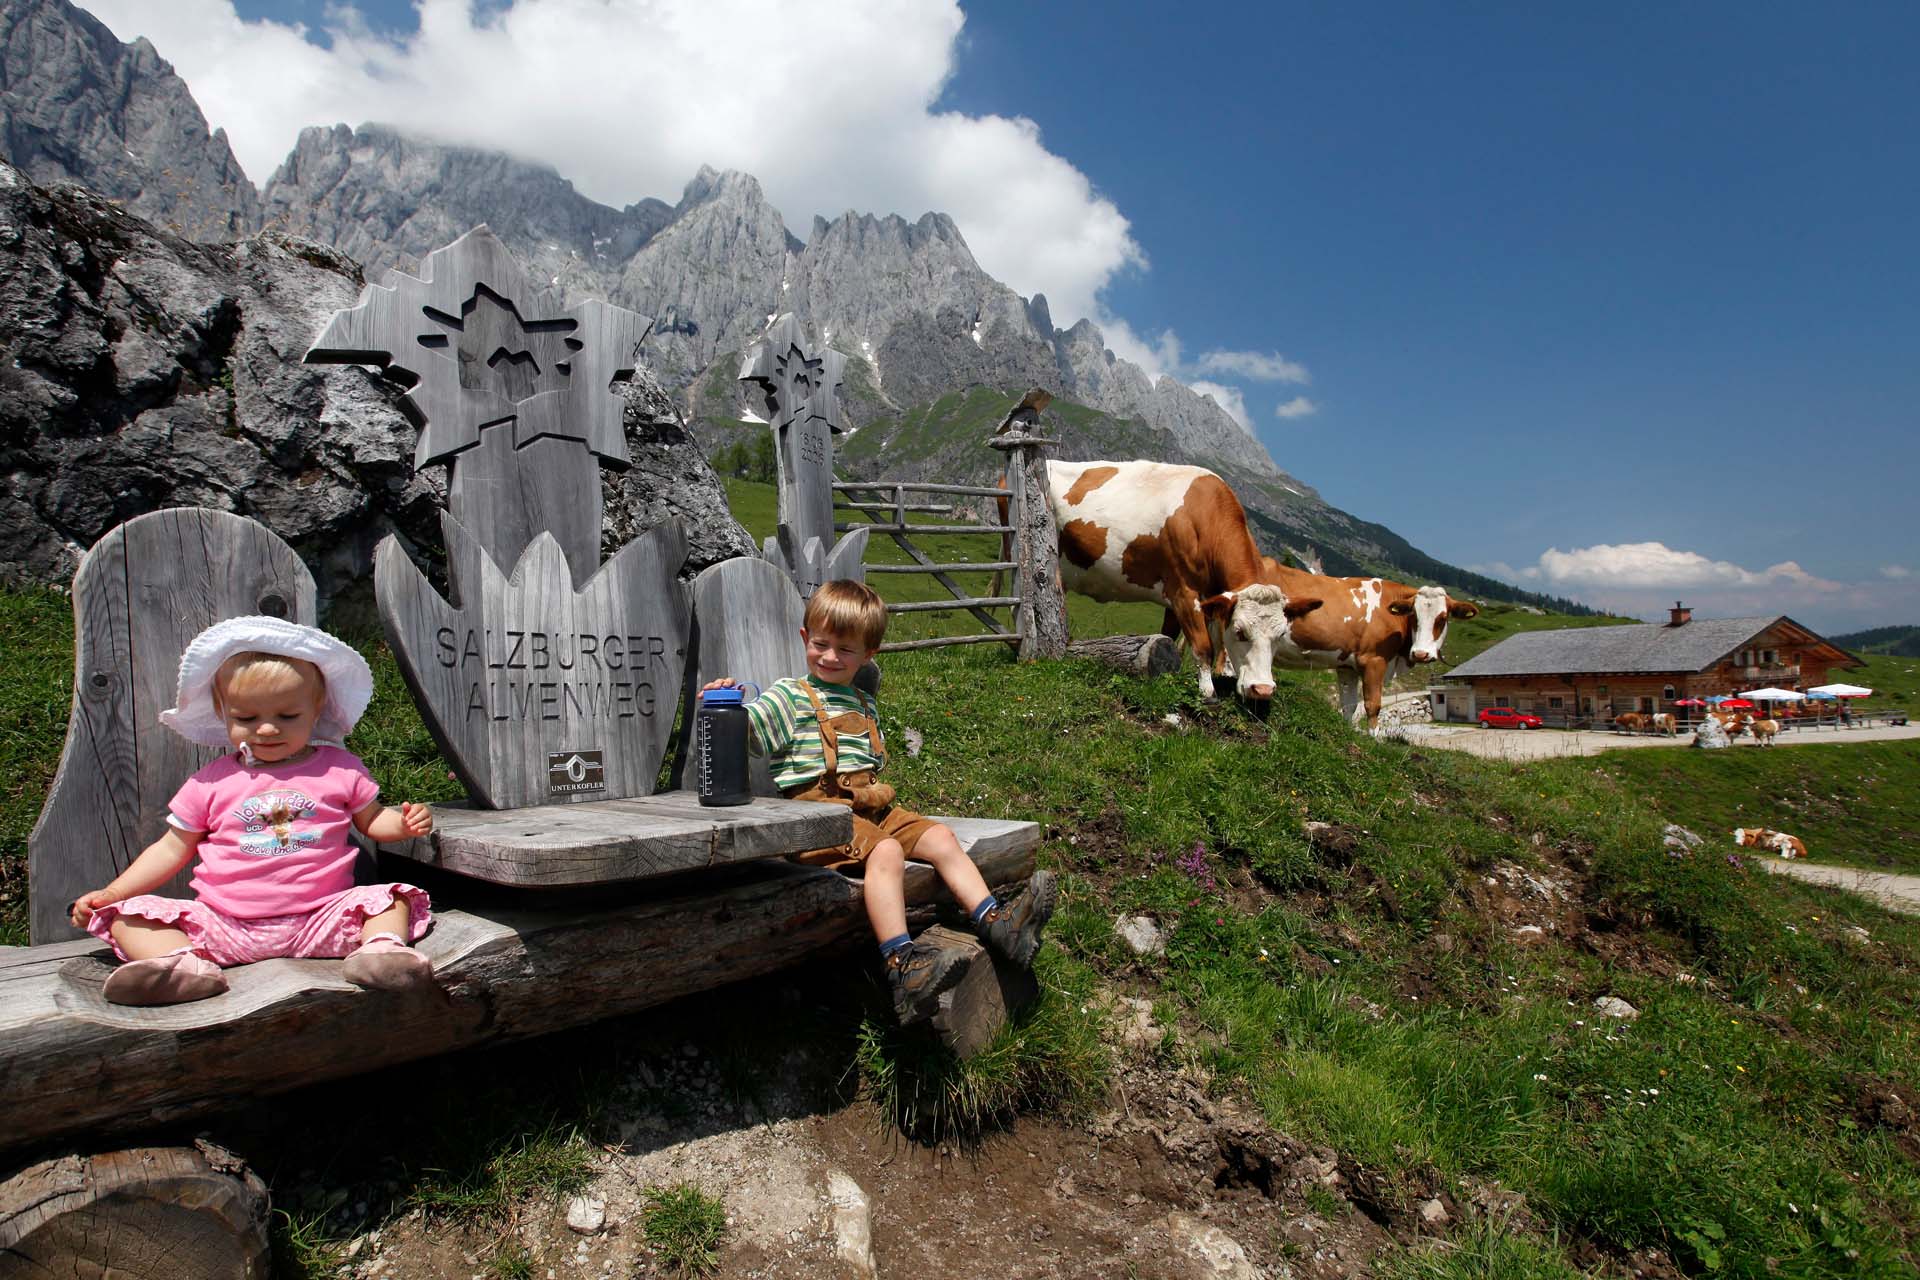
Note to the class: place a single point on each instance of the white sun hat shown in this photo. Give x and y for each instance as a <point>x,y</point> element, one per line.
<point>349,680</point>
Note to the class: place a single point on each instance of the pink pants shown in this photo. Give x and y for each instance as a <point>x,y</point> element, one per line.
<point>330,931</point>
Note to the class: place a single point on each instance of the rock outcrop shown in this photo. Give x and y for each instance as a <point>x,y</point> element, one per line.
<point>387,201</point>
<point>141,370</point>
<point>77,105</point>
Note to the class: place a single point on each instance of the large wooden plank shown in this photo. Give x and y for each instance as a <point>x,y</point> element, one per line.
<point>746,624</point>
<point>69,1061</point>
<point>141,594</point>
<point>613,840</point>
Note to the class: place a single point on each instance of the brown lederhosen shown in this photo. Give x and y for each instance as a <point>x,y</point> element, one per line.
<point>875,816</point>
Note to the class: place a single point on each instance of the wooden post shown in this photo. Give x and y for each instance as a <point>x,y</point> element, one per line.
<point>1042,612</point>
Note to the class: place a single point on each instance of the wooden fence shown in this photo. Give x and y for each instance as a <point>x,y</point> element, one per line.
<point>890,517</point>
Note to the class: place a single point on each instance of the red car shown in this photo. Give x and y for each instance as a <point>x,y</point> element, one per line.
<point>1508,718</point>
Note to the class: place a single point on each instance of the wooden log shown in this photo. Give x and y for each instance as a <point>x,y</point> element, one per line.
<point>914,486</point>
<point>149,1213</point>
<point>972,1013</point>
<point>1144,656</point>
<point>69,1061</point>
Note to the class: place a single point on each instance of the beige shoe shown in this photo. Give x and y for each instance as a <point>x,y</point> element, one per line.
<point>174,979</point>
<point>387,964</point>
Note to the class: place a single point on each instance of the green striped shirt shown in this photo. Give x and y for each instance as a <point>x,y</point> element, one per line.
<point>785,728</point>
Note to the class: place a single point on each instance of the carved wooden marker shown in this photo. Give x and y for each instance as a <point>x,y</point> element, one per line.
<point>802,386</point>
<point>550,677</point>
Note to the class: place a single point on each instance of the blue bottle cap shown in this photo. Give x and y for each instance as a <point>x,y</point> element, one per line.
<point>725,697</point>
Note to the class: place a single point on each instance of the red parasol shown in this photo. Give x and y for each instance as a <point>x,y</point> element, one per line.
<point>1735,704</point>
<point>1689,702</point>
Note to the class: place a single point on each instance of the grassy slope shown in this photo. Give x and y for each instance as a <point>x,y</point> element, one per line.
<point>1375,996</point>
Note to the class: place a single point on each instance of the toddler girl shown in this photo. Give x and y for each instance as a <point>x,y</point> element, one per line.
<point>269,824</point>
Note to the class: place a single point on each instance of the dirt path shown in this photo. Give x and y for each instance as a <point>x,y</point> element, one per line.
<point>1545,744</point>
<point>1895,892</point>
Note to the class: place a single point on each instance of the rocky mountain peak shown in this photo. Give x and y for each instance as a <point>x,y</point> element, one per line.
<point>77,105</point>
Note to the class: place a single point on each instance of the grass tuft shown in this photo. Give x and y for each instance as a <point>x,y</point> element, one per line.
<point>684,1225</point>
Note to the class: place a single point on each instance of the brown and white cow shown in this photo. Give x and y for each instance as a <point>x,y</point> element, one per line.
<point>1764,731</point>
<point>1665,722</point>
<point>1630,722</point>
<point>1367,631</point>
<point>1779,841</point>
<point>1176,536</point>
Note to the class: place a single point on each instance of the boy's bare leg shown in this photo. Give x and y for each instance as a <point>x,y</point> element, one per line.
<point>885,890</point>
<point>939,846</point>
<point>142,939</point>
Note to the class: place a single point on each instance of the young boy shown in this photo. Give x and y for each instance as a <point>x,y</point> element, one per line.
<point>823,737</point>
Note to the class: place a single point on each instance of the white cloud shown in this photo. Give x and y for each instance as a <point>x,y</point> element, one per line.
<point>1654,564</point>
<point>1254,365</point>
<point>827,102</point>
<point>1298,407</point>
<point>1228,398</point>
<point>1895,572</point>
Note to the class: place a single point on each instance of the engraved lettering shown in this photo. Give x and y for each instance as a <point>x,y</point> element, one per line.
<point>472,647</point>
<point>614,653</point>
<point>570,694</point>
<point>549,699</point>
<point>644,694</point>
<point>443,651</point>
<point>590,648</point>
<point>569,649</point>
<point>623,699</point>
<point>540,660</point>
<point>514,661</point>
<point>476,705</point>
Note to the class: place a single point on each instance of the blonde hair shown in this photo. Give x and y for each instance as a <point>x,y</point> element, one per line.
<point>262,672</point>
<point>850,610</point>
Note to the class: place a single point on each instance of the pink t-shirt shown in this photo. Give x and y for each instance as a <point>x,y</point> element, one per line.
<point>276,835</point>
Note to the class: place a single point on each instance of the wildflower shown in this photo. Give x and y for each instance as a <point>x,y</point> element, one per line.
<point>1737,1067</point>
<point>1540,1075</point>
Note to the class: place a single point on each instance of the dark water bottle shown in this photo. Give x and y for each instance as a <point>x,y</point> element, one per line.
<point>720,754</point>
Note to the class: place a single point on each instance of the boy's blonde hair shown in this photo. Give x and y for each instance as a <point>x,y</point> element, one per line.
<point>849,610</point>
<point>261,671</point>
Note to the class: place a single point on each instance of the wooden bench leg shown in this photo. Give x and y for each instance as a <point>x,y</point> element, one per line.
<point>149,1213</point>
<point>971,1013</point>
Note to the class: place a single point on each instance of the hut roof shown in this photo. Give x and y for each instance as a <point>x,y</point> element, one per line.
<point>1649,648</point>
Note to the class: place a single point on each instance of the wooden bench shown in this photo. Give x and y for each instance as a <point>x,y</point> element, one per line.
<point>688,899</point>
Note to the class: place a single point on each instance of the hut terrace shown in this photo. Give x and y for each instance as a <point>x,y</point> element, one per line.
<point>1592,673</point>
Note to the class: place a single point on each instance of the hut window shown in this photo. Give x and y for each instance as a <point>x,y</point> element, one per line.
<point>1554,703</point>
<point>1667,693</point>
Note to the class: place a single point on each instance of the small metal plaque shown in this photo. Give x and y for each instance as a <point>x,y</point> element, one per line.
<point>572,772</point>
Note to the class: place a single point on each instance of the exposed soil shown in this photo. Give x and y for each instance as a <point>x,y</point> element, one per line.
<point>1165,1182</point>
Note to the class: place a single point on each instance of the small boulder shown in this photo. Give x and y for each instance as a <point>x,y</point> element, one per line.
<point>586,1214</point>
<point>1615,1007</point>
<point>1142,935</point>
<point>852,1217</point>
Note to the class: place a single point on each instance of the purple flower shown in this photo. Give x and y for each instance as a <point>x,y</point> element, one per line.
<point>1733,860</point>
<point>1195,865</point>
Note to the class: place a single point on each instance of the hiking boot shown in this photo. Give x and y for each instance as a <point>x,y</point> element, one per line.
<point>1012,929</point>
<point>917,976</point>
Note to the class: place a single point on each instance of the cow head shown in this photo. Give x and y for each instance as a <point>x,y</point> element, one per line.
<point>1427,611</point>
<point>1250,622</point>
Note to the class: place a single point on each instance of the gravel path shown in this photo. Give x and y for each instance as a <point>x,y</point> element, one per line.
<point>1895,892</point>
<point>1543,744</point>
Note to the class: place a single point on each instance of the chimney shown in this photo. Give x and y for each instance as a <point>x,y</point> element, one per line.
<point>1680,615</point>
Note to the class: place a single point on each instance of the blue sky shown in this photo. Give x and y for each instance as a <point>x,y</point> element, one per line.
<point>1618,302</point>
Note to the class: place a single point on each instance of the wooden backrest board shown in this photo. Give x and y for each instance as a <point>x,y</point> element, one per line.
<point>549,677</point>
<point>142,593</point>
<point>747,618</point>
<point>801,382</point>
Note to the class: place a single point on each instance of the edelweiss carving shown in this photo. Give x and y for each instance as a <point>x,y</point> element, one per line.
<point>802,388</point>
<point>549,677</point>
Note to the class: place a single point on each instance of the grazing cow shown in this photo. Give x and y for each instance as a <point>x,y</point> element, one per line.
<point>1764,731</point>
<point>1666,722</point>
<point>1779,841</point>
<point>1630,722</point>
<point>1734,722</point>
<point>1177,536</point>
<point>1367,630</point>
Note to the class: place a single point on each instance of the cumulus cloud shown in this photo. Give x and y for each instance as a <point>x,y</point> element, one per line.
<point>1253,365</point>
<point>828,102</point>
<point>1654,564</point>
<point>1895,572</point>
<point>1298,407</point>
<point>1642,579</point>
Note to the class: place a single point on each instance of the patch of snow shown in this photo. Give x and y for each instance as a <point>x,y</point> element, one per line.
<point>748,415</point>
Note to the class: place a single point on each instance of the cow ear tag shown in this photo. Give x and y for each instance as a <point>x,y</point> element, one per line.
<point>1400,608</point>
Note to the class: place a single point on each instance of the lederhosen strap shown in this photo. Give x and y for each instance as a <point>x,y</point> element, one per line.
<point>830,736</point>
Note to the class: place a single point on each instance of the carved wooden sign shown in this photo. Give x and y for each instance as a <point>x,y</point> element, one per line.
<point>802,386</point>
<point>549,677</point>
